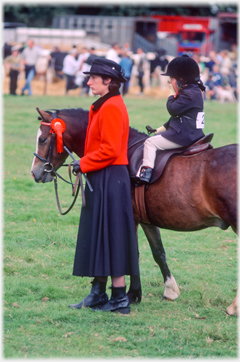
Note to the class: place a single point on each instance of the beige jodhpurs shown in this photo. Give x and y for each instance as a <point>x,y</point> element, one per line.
<point>151,145</point>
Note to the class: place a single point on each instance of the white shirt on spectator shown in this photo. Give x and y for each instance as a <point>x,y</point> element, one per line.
<point>31,55</point>
<point>113,55</point>
<point>70,65</point>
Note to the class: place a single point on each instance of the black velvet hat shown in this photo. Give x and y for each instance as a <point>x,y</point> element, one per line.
<point>183,67</point>
<point>102,66</point>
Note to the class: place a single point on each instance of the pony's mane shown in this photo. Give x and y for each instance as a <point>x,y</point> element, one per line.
<point>135,135</point>
<point>71,112</point>
<point>134,131</point>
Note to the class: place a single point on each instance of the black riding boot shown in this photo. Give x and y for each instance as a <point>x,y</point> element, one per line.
<point>145,175</point>
<point>97,297</point>
<point>118,303</point>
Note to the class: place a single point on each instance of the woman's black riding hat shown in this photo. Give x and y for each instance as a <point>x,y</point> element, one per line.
<point>102,66</point>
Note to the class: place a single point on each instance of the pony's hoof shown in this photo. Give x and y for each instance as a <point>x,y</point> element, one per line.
<point>171,291</point>
<point>134,297</point>
<point>233,308</point>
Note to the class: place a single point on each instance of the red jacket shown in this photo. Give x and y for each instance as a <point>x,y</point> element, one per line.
<point>107,136</point>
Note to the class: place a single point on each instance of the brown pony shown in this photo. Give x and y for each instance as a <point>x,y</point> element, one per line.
<point>193,193</point>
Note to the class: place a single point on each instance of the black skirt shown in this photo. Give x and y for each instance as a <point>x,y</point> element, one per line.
<point>106,243</point>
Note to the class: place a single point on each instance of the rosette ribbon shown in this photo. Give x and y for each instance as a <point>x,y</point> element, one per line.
<point>58,126</point>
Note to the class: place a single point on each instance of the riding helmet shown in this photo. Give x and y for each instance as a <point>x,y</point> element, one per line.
<point>183,67</point>
<point>107,67</point>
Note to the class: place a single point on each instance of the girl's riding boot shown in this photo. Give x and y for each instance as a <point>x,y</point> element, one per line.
<point>145,174</point>
<point>97,297</point>
<point>119,302</point>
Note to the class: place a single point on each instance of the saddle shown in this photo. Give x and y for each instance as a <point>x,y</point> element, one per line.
<point>162,157</point>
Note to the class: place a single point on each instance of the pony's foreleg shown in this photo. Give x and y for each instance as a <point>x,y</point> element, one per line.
<point>152,233</point>
<point>135,289</point>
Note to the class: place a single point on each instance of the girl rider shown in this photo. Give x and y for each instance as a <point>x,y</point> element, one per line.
<point>185,105</point>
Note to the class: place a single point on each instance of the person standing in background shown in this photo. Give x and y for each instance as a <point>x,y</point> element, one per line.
<point>13,62</point>
<point>70,68</point>
<point>56,62</point>
<point>127,65</point>
<point>141,66</point>
<point>30,57</point>
<point>113,53</point>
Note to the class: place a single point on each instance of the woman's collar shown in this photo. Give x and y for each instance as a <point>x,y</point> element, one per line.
<point>96,105</point>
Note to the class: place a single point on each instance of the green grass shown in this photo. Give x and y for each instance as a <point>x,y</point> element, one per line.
<point>39,247</point>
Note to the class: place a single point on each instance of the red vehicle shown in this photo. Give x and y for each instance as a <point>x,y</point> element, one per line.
<point>194,34</point>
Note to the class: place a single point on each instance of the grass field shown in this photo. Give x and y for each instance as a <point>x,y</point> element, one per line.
<point>38,252</point>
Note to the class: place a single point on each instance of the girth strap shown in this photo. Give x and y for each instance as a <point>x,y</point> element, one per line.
<point>140,203</point>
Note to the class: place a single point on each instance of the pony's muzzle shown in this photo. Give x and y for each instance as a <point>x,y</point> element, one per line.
<point>39,175</point>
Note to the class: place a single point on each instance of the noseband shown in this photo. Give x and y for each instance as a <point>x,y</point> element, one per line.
<point>48,167</point>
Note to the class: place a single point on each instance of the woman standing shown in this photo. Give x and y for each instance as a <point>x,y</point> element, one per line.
<point>106,244</point>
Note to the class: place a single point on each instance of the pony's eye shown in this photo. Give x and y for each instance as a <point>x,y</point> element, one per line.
<point>42,140</point>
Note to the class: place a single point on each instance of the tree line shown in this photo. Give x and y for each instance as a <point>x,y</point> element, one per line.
<point>42,16</point>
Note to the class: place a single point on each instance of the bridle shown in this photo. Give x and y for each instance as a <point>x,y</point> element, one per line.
<point>48,167</point>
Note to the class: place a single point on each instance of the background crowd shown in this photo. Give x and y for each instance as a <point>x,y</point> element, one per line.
<point>219,70</point>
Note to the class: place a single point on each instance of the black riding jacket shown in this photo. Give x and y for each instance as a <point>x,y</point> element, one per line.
<point>181,127</point>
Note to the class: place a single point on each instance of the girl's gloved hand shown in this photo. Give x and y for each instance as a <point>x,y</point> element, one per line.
<point>171,90</point>
<point>150,129</point>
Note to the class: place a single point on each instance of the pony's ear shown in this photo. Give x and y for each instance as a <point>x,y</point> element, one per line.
<point>47,117</point>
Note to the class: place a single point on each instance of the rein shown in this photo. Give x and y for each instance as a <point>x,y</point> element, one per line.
<point>48,167</point>
<point>75,191</point>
